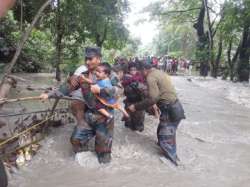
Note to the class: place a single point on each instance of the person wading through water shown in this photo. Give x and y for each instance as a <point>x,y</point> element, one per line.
<point>135,89</point>
<point>162,93</point>
<point>90,123</point>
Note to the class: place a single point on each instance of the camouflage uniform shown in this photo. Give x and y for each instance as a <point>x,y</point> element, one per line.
<point>99,129</point>
<point>91,123</point>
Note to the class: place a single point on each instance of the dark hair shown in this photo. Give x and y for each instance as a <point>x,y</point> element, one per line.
<point>88,58</point>
<point>146,66</point>
<point>106,68</point>
<point>117,68</point>
<point>132,65</point>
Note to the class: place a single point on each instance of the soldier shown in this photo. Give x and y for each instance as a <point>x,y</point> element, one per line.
<point>90,123</point>
<point>162,93</point>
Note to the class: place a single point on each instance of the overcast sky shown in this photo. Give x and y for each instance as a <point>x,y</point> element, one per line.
<point>145,31</point>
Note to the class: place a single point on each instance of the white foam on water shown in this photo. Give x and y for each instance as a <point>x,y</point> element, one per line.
<point>87,160</point>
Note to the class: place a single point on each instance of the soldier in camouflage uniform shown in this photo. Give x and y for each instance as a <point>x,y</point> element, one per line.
<point>90,123</point>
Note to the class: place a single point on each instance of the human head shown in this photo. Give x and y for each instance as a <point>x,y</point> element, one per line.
<point>146,68</point>
<point>132,69</point>
<point>92,57</point>
<point>103,71</point>
<point>118,69</point>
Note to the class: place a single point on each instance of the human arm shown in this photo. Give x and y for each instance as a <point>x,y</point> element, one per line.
<point>153,95</point>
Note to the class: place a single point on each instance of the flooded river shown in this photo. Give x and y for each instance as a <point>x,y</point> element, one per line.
<point>213,145</point>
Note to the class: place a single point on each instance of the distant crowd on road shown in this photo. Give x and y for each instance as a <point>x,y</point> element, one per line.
<point>168,64</point>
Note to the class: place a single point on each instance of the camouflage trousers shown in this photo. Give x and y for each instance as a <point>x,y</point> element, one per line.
<point>166,134</point>
<point>99,129</point>
<point>136,120</point>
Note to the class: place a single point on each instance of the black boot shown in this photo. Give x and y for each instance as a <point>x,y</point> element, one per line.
<point>104,158</point>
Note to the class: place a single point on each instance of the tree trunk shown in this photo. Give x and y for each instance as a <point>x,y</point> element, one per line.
<point>202,45</point>
<point>19,48</point>
<point>100,40</point>
<point>229,61</point>
<point>210,38</point>
<point>59,48</point>
<point>217,61</point>
<point>244,55</point>
<point>232,61</point>
<point>21,21</point>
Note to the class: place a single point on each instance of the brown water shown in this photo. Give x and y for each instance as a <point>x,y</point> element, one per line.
<point>213,145</point>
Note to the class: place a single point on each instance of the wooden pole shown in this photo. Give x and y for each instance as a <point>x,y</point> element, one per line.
<point>5,100</point>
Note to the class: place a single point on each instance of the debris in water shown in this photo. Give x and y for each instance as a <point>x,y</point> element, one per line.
<point>20,161</point>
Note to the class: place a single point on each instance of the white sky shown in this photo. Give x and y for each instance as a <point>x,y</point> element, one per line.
<point>146,30</point>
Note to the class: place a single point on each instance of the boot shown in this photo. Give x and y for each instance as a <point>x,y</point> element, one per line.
<point>104,158</point>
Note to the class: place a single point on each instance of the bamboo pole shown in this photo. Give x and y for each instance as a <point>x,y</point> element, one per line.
<point>5,100</point>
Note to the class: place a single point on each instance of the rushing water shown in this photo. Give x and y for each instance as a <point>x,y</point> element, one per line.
<point>213,145</point>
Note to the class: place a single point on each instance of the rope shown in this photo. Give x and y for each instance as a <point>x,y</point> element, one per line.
<point>35,112</point>
<point>25,131</point>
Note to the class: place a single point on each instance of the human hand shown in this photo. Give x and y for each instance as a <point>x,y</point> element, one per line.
<point>95,89</point>
<point>85,79</point>
<point>132,108</point>
<point>44,96</point>
<point>74,81</point>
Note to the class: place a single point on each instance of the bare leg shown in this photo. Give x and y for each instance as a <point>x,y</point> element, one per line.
<point>105,113</point>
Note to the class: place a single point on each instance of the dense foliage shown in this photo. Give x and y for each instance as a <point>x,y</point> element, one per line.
<point>216,34</point>
<point>57,42</point>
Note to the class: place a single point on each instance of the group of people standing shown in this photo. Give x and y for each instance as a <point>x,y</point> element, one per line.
<point>98,85</point>
<point>171,65</point>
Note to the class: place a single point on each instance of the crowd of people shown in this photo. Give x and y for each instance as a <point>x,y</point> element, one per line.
<point>171,65</point>
<point>168,64</point>
<point>97,86</point>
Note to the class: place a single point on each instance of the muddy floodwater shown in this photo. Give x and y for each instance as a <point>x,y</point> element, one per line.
<point>213,145</point>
